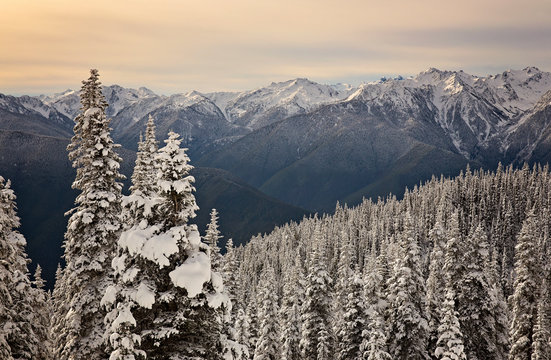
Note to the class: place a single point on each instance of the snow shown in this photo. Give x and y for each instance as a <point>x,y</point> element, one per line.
<point>124,317</point>
<point>152,246</point>
<point>110,296</point>
<point>145,297</point>
<point>92,112</point>
<point>192,274</point>
<point>159,247</point>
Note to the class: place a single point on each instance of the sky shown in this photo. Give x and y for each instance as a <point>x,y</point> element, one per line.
<point>175,46</point>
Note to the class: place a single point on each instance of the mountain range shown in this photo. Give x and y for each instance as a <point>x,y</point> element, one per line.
<point>289,148</point>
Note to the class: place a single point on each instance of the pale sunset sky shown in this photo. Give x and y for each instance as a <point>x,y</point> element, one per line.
<point>173,46</point>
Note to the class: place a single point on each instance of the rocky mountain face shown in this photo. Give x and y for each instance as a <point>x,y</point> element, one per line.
<point>300,142</point>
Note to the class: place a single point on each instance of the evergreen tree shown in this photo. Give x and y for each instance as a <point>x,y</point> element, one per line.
<point>40,303</point>
<point>267,346</point>
<point>145,173</point>
<point>316,340</point>
<point>408,324</point>
<point>450,340</point>
<point>290,311</point>
<point>23,333</point>
<point>374,338</point>
<point>93,228</point>
<point>143,191</point>
<point>526,291</point>
<point>352,331</point>
<point>435,281</point>
<point>8,221</point>
<point>211,239</point>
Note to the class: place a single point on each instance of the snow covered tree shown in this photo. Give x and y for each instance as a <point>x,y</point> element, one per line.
<point>316,341</point>
<point>143,191</point>
<point>526,291</point>
<point>230,268</point>
<point>23,332</point>
<point>211,239</point>
<point>8,221</point>
<point>41,324</point>
<point>406,313</point>
<point>476,300</point>
<point>352,332</point>
<point>435,282</point>
<point>293,293</point>
<point>59,309</point>
<point>374,338</point>
<point>450,340</point>
<point>267,346</point>
<point>168,308</point>
<point>93,228</point>
<point>145,173</point>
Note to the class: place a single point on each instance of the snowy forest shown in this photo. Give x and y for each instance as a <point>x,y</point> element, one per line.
<point>457,269</point>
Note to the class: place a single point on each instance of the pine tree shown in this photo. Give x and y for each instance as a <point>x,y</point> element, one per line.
<point>8,221</point>
<point>132,291</point>
<point>450,340</point>
<point>267,346</point>
<point>290,311</point>
<point>145,173</point>
<point>59,309</point>
<point>316,341</point>
<point>172,296</point>
<point>435,282</point>
<point>40,302</point>
<point>351,334</point>
<point>23,332</point>
<point>476,301</point>
<point>374,338</point>
<point>408,324</point>
<point>93,228</point>
<point>211,239</point>
<point>526,291</point>
<point>143,192</point>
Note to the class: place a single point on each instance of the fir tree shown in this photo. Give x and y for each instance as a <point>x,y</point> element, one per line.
<point>290,311</point>
<point>450,340</point>
<point>211,239</point>
<point>8,221</point>
<point>93,228</point>
<point>23,333</point>
<point>374,338</point>
<point>526,291</point>
<point>267,346</point>
<point>408,324</point>
<point>316,341</point>
<point>353,329</point>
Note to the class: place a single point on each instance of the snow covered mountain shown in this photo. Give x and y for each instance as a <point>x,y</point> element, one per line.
<point>282,135</point>
<point>257,108</point>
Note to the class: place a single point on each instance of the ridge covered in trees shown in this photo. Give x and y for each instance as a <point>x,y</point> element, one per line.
<point>457,269</point>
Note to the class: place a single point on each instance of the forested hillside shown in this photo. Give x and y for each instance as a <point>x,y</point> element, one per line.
<point>457,269</point>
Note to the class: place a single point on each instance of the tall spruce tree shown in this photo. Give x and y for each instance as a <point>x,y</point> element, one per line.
<point>317,339</point>
<point>93,228</point>
<point>406,313</point>
<point>132,294</point>
<point>211,239</point>
<point>526,291</point>
<point>23,331</point>
<point>449,345</point>
<point>267,345</point>
<point>8,222</point>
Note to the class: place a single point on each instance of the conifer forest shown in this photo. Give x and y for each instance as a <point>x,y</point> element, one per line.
<point>458,269</point>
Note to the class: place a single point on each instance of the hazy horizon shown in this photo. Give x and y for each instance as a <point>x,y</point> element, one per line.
<point>178,46</point>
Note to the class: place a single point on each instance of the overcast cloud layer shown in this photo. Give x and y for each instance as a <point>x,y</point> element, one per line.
<point>175,46</point>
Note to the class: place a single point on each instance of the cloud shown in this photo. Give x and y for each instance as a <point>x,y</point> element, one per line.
<point>177,45</point>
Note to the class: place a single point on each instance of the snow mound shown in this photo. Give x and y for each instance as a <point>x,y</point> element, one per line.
<point>192,274</point>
